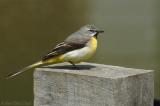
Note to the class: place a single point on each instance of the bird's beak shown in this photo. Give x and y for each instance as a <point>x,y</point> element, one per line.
<point>100,31</point>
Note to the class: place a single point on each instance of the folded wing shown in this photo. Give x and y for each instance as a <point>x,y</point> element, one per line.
<point>63,48</point>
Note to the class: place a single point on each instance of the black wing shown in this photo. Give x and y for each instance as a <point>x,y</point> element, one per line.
<point>62,48</point>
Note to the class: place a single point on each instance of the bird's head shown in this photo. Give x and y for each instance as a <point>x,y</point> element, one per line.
<point>91,30</point>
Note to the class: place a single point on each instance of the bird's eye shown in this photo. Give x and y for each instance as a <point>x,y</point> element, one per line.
<point>92,30</point>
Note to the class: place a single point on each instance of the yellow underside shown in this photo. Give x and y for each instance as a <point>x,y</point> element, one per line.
<point>88,51</point>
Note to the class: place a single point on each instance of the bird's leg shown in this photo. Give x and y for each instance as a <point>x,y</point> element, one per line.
<point>73,64</point>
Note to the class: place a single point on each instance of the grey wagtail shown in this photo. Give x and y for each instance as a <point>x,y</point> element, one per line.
<point>78,47</point>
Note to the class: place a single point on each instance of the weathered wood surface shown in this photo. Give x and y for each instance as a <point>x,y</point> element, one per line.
<point>92,85</point>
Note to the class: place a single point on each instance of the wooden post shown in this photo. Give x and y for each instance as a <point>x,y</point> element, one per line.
<point>92,85</point>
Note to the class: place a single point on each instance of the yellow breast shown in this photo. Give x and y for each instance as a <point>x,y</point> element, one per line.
<point>82,54</point>
<point>93,43</point>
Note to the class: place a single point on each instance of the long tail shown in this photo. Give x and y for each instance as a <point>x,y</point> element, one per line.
<point>25,69</point>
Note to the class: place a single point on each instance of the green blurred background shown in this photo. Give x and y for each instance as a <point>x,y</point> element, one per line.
<point>30,28</point>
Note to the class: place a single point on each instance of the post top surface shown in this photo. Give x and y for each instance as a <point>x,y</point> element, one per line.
<point>92,69</point>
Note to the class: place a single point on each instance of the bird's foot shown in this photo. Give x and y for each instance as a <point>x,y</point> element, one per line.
<point>76,67</point>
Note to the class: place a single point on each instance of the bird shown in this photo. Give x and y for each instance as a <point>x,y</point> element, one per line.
<point>77,47</point>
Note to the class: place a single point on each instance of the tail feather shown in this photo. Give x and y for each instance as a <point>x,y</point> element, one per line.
<point>25,69</point>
